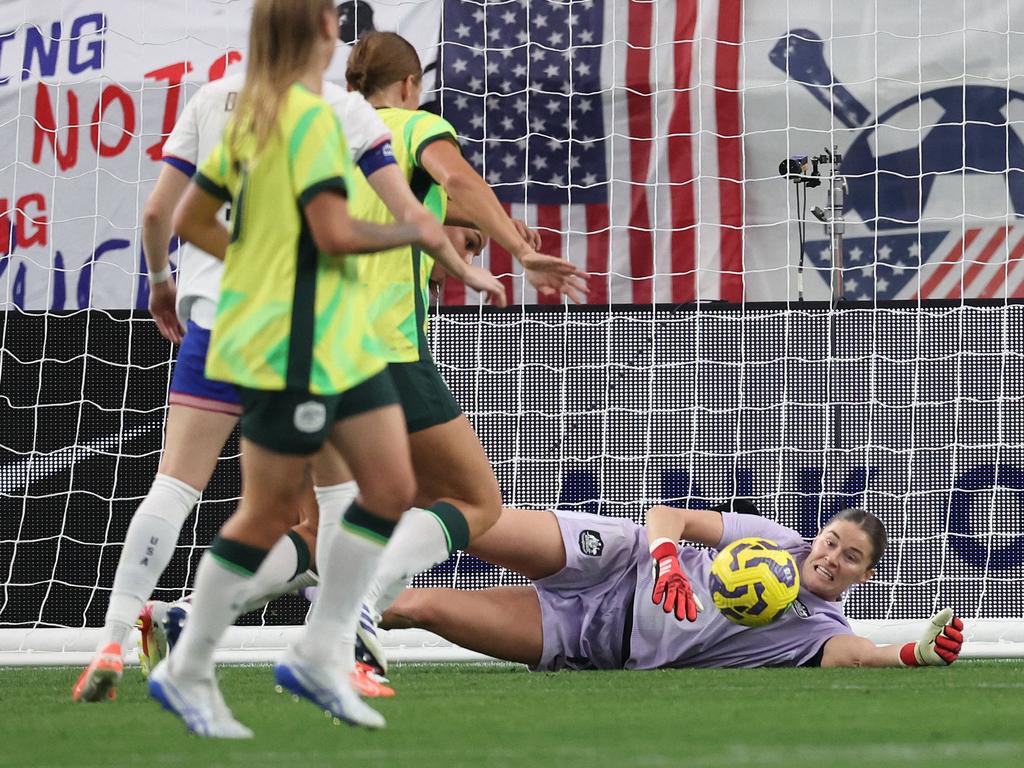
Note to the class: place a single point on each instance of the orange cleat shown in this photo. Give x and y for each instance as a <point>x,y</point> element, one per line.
<point>366,682</point>
<point>99,680</point>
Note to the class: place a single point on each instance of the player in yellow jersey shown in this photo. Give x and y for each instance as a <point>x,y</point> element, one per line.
<point>456,485</point>
<point>291,334</point>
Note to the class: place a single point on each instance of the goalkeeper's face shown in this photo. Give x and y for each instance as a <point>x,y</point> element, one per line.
<point>840,557</point>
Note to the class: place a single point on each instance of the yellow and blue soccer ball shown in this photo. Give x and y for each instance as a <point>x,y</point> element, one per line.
<point>753,581</point>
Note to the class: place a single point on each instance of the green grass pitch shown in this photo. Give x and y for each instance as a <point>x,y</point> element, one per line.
<point>499,715</point>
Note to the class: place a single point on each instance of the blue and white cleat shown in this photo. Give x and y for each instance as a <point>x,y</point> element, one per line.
<point>174,620</point>
<point>369,649</point>
<point>328,689</point>
<point>198,703</point>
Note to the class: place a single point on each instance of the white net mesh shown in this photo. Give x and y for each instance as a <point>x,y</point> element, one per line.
<point>643,139</point>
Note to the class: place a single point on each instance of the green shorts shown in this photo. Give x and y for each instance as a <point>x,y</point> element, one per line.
<point>425,398</point>
<point>297,422</point>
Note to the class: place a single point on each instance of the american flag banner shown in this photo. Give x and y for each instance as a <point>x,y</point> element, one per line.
<point>975,263</point>
<point>612,127</point>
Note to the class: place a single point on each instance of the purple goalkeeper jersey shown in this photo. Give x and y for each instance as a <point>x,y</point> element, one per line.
<point>660,640</point>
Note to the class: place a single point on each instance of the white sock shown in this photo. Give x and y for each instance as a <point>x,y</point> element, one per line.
<point>348,565</point>
<point>148,548</point>
<point>283,565</point>
<point>220,587</point>
<point>419,542</point>
<point>333,501</point>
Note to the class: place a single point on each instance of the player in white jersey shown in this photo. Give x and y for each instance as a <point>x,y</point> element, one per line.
<point>610,594</point>
<point>202,413</point>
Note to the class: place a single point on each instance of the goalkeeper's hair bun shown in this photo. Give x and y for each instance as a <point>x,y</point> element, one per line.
<point>380,59</point>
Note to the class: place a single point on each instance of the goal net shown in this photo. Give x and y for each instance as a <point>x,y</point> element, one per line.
<point>643,140</point>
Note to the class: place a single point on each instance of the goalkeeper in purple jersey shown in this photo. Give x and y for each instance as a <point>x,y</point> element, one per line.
<point>610,594</point>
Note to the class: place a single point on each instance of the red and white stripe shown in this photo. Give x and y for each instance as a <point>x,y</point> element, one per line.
<point>671,231</point>
<point>976,263</point>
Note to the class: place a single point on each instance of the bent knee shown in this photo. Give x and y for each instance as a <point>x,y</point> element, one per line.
<point>414,609</point>
<point>389,497</point>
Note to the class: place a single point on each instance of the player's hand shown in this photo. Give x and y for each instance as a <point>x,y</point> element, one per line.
<point>672,589</point>
<point>162,297</point>
<point>531,236</point>
<point>940,644</point>
<point>551,275</point>
<point>480,279</point>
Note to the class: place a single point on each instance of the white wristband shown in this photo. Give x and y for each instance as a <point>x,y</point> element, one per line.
<point>160,276</point>
<point>658,542</point>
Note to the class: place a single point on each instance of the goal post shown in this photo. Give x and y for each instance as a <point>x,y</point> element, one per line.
<point>642,138</point>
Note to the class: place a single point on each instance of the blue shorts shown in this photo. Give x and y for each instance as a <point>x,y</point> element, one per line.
<point>189,385</point>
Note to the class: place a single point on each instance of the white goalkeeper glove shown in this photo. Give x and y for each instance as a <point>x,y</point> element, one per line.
<point>940,644</point>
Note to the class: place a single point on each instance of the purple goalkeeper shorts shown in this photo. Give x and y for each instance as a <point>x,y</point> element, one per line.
<point>189,385</point>
<point>586,608</point>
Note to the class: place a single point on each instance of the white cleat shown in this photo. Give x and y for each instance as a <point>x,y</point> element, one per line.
<point>197,702</point>
<point>328,688</point>
<point>369,649</point>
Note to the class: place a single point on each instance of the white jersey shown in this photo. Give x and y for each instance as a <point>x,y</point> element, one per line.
<point>197,132</point>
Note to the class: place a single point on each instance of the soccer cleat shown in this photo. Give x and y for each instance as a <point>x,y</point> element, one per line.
<point>152,644</point>
<point>175,619</point>
<point>332,692</point>
<point>197,703</point>
<point>368,683</point>
<point>369,649</point>
<point>99,680</point>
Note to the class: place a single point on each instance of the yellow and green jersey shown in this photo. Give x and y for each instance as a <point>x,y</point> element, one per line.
<point>289,316</point>
<point>398,279</point>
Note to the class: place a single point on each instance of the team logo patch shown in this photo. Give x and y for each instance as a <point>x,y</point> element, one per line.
<point>801,609</point>
<point>310,417</point>
<point>591,543</point>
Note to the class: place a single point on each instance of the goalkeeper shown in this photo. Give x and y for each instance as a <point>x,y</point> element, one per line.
<point>610,594</point>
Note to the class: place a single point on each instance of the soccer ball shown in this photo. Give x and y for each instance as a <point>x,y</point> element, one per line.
<point>753,581</point>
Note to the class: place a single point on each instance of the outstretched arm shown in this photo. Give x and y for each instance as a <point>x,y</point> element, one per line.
<point>939,646</point>
<point>391,187</point>
<point>701,526</point>
<point>665,527</point>
<point>476,200</point>
<point>334,231</point>
<point>156,234</point>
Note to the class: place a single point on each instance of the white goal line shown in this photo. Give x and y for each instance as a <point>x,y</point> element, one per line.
<point>984,639</point>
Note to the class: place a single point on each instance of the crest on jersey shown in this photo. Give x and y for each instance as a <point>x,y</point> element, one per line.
<point>801,609</point>
<point>310,417</point>
<point>591,543</point>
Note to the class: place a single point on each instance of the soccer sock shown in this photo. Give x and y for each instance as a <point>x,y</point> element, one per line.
<point>148,548</point>
<point>423,538</point>
<point>346,569</point>
<point>283,571</point>
<point>222,580</point>
<point>333,501</point>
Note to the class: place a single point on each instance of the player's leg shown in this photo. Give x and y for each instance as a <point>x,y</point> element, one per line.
<point>454,479</point>
<point>290,564</point>
<point>527,541</point>
<point>201,417</point>
<point>504,622</point>
<point>272,483</point>
<point>370,436</point>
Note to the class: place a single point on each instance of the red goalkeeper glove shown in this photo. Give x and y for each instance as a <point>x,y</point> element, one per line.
<point>672,589</point>
<point>940,644</point>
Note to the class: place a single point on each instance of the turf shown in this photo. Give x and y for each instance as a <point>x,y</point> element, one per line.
<point>496,715</point>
